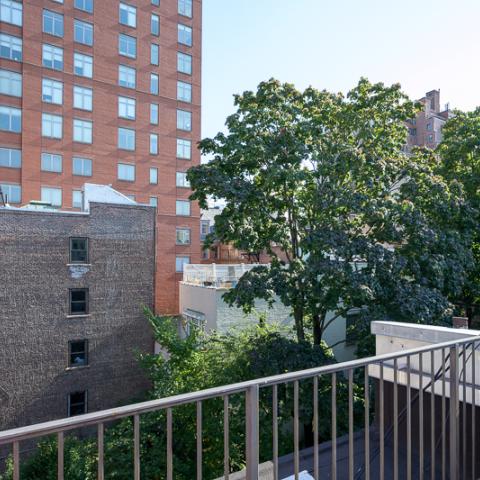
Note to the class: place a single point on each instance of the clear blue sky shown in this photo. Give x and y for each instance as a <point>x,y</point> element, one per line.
<point>423,44</point>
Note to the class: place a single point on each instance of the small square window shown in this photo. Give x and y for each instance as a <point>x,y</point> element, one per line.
<point>11,193</point>
<point>85,5</point>
<point>182,208</point>
<point>184,92</point>
<point>10,157</point>
<point>126,139</point>
<point>52,125</point>
<point>77,403</point>
<point>82,131</point>
<point>52,57</point>
<point>82,98</point>
<point>11,12</point>
<point>10,47</point>
<point>184,35</point>
<point>183,236</point>
<point>184,120</point>
<point>126,76</point>
<point>126,172</point>
<point>82,166</point>
<point>182,180</point>
<point>127,46</point>
<point>78,301</point>
<point>180,263</point>
<point>78,353</point>
<point>153,201</point>
<point>184,149</point>
<point>53,23</point>
<point>51,163</point>
<point>51,195</point>
<point>52,91</point>
<point>126,108</point>
<point>82,65</point>
<point>185,8</point>
<point>184,63</point>
<point>127,15</point>
<point>83,32</point>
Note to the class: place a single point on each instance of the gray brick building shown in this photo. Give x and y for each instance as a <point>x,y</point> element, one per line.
<point>72,288</point>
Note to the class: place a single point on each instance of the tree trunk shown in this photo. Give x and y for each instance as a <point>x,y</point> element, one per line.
<point>317,329</point>
<point>298,316</point>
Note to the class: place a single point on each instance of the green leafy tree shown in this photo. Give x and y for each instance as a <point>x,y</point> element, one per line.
<point>319,182</point>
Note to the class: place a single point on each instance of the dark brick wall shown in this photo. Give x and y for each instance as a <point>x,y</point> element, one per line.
<point>35,326</point>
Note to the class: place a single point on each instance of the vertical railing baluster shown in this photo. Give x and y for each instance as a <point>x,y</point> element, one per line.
<point>381,424</point>
<point>252,434</point>
<point>275,431</point>
<point>444,456</point>
<point>169,444</point>
<point>454,413</point>
<point>334,426</point>
<point>464,413</point>
<point>395,419</point>
<point>350,425</point>
<point>367,424</point>
<point>432,415</point>
<point>409,420</point>
<point>296,433</point>
<point>199,441</point>
<point>226,439</point>
<point>16,461</point>
<point>316,473</point>
<point>136,447</point>
<point>101,449</point>
<point>60,456</point>
<point>420,417</point>
<point>474,406</point>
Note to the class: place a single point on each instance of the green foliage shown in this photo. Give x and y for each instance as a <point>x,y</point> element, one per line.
<point>198,362</point>
<point>319,181</point>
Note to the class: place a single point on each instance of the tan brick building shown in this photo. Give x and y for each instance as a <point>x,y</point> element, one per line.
<point>107,92</point>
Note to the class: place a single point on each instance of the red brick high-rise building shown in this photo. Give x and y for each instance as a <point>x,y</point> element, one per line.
<point>106,92</point>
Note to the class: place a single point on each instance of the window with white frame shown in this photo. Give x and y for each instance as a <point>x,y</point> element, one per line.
<point>185,8</point>
<point>10,83</point>
<point>154,113</point>
<point>82,65</point>
<point>184,149</point>
<point>154,54</point>
<point>83,32</point>
<point>77,199</point>
<point>52,91</point>
<point>82,98</point>
<point>10,157</point>
<point>82,130</point>
<point>12,193</point>
<point>52,57</point>
<point>126,76</point>
<point>52,125</point>
<point>155,25</point>
<point>126,108</point>
<point>182,180</point>
<point>11,12</point>
<point>182,208</point>
<point>184,120</point>
<point>180,262</point>
<point>82,166</point>
<point>10,119</point>
<point>156,2</point>
<point>51,162</point>
<point>10,47</point>
<point>153,201</point>
<point>127,15</point>
<point>154,81</point>
<point>52,195</point>
<point>153,144</point>
<point>184,92</point>
<point>126,139</point>
<point>183,236</point>
<point>153,175</point>
<point>184,63</point>
<point>126,172</point>
<point>184,35</point>
<point>85,5</point>
<point>53,23</point>
<point>127,46</point>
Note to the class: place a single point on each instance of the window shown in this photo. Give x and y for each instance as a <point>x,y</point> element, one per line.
<point>82,65</point>
<point>126,108</point>
<point>52,195</point>
<point>412,131</point>
<point>52,23</point>
<point>204,229</point>
<point>185,8</point>
<point>52,57</point>
<point>184,120</point>
<point>153,176</point>
<point>180,262</point>
<point>184,35</point>
<point>51,162</point>
<point>430,138</point>
<point>154,114</point>
<point>82,166</point>
<point>83,32</point>
<point>126,172</point>
<point>126,76</point>
<point>156,2</point>
<point>82,98</point>
<point>154,83</point>
<point>82,131</point>
<point>127,46</point>
<point>182,208</point>
<point>155,25</point>
<point>78,353</point>
<point>184,149</point>
<point>126,139</point>
<point>85,5</point>
<point>11,12</point>
<point>183,236</point>
<point>184,92</point>
<point>58,1</point>
<point>77,199</point>
<point>429,127</point>
<point>52,125</point>
<point>131,197</point>
<point>52,91</point>
<point>11,83</point>
<point>153,144</point>
<point>10,119</point>
<point>12,193</point>
<point>153,202</point>
<point>182,180</point>
<point>77,403</point>
<point>127,15</point>
<point>184,63</point>
<point>10,157</point>
<point>79,250</point>
<point>78,301</point>
<point>154,54</point>
<point>10,47</point>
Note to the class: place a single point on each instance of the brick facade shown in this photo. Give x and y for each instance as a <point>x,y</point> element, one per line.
<point>36,324</point>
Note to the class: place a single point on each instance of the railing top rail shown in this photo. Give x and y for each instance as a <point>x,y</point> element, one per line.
<point>48,428</point>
